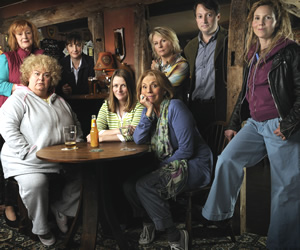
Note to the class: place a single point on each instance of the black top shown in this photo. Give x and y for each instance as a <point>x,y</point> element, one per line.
<point>86,70</point>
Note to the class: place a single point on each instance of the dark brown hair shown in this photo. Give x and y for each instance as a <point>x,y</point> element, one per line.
<point>131,100</point>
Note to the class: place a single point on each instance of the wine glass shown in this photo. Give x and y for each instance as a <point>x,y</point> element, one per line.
<point>126,131</point>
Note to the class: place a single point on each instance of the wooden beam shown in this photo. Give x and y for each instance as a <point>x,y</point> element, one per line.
<point>68,12</point>
<point>96,26</point>
<point>142,54</point>
<point>236,45</point>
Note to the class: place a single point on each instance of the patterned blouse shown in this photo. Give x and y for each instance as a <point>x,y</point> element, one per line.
<point>177,70</point>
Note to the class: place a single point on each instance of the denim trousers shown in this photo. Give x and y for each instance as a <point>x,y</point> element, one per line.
<point>251,144</point>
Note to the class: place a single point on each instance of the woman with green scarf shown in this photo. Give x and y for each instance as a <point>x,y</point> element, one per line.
<point>183,160</point>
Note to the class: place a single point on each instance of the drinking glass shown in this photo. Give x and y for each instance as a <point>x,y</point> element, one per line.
<point>125,131</point>
<point>90,83</point>
<point>70,133</point>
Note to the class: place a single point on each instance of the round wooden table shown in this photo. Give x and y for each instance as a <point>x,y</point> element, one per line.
<point>93,165</point>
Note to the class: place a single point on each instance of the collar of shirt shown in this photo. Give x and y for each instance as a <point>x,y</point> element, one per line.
<point>72,66</point>
<point>213,37</point>
<point>75,71</point>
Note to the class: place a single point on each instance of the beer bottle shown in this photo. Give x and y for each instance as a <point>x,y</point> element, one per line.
<point>94,133</point>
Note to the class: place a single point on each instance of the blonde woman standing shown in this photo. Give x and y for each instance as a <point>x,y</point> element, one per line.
<point>167,53</point>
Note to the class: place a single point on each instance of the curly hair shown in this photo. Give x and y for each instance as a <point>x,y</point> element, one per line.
<point>130,84</point>
<point>283,26</point>
<point>168,34</point>
<point>44,62</point>
<point>20,25</point>
<point>162,82</point>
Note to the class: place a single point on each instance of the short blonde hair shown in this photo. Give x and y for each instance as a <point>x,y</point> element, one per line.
<point>162,82</point>
<point>20,25</point>
<point>45,62</point>
<point>168,34</point>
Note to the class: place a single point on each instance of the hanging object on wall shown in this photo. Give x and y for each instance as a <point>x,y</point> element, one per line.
<point>120,49</point>
<point>105,62</point>
<point>52,31</point>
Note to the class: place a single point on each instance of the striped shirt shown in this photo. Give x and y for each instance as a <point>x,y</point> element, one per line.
<point>109,120</point>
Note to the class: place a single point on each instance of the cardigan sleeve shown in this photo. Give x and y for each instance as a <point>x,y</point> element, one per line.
<point>102,123</point>
<point>142,133</point>
<point>5,85</point>
<point>181,121</point>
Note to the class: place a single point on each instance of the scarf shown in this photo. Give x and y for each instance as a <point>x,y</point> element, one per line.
<point>174,173</point>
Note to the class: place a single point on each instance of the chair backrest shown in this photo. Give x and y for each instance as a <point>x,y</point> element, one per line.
<point>215,139</point>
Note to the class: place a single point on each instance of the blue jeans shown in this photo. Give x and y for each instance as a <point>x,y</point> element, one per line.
<point>251,144</point>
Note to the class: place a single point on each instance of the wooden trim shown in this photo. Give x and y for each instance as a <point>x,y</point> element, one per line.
<point>142,54</point>
<point>68,12</point>
<point>96,27</point>
<point>236,45</point>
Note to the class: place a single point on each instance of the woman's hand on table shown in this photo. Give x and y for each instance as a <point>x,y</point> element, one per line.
<point>100,137</point>
<point>88,138</point>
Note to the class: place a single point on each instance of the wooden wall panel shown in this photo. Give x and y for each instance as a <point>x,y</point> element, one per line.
<point>120,18</point>
<point>96,27</point>
<point>236,45</point>
<point>142,53</point>
<point>62,12</point>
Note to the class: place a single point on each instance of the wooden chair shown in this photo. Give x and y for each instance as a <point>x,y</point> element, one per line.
<point>214,137</point>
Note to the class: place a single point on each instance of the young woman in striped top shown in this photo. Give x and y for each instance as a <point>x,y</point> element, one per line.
<point>120,109</point>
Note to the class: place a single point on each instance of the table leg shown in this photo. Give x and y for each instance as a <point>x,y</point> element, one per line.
<point>89,208</point>
<point>70,235</point>
<point>106,203</point>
